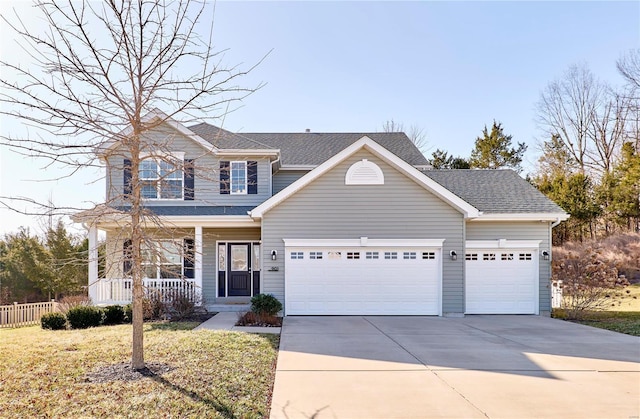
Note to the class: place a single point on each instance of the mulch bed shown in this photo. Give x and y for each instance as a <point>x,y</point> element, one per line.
<point>252,319</point>
<point>124,372</point>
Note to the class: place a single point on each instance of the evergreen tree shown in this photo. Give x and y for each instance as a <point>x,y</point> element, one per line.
<point>442,160</point>
<point>626,193</point>
<point>493,150</point>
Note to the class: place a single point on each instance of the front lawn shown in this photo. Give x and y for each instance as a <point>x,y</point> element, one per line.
<point>203,373</point>
<point>627,322</point>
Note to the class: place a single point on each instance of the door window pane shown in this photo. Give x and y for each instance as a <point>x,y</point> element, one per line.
<point>222,257</point>
<point>239,258</point>
<point>255,262</point>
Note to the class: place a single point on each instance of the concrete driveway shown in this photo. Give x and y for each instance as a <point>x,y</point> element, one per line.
<point>477,366</point>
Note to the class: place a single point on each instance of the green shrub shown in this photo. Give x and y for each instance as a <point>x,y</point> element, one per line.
<point>53,321</point>
<point>265,304</point>
<point>128,313</point>
<point>113,314</point>
<point>82,317</point>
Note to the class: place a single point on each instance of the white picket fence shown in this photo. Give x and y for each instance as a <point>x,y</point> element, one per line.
<point>18,315</point>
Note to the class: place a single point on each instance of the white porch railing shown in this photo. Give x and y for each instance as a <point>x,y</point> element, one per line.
<point>120,291</point>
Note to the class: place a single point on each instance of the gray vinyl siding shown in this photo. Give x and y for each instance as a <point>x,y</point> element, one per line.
<point>530,230</point>
<point>284,178</point>
<point>207,167</point>
<point>210,255</point>
<point>399,209</point>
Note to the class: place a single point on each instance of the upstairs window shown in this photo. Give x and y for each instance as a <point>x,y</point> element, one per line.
<point>238,177</point>
<point>160,180</point>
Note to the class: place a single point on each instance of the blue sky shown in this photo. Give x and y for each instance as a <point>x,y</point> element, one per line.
<point>446,67</point>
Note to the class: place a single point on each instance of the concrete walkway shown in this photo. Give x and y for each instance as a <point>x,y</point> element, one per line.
<point>227,321</point>
<point>473,367</point>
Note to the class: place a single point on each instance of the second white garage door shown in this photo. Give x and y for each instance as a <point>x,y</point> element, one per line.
<point>362,280</point>
<point>501,281</point>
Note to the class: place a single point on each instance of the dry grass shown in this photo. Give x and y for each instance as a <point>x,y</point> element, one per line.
<point>621,249</point>
<point>211,374</point>
<point>625,299</point>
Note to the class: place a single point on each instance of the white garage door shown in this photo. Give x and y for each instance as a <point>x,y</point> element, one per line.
<point>357,280</point>
<point>501,281</point>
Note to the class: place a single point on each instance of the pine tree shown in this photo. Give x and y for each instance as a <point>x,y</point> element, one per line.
<point>493,150</point>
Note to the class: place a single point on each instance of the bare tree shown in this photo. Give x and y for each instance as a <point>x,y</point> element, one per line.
<point>416,134</point>
<point>99,69</point>
<point>566,110</point>
<point>587,116</point>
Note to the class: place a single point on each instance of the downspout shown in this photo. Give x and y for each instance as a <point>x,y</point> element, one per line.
<point>556,222</point>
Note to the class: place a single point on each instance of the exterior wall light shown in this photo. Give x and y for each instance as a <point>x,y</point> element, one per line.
<point>453,254</point>
<point>545,255</point>
<point>274,254</point>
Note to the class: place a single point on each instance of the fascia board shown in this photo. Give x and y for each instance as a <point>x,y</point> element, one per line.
<point>188,221</point>
<point>542,216</point>
<point>275,153</point>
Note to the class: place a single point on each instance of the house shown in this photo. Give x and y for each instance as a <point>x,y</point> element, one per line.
<point>329,223</point>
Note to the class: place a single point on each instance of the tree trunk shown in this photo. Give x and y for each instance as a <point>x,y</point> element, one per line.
<point>137,348</point>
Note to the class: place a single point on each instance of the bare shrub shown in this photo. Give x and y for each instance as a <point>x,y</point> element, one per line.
<point>182,304</point>
<point>588,278</point>
<point>72,301</point>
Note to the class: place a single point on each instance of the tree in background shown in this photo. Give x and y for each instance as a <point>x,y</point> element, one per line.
<point>102,67</point>
<point>626,191</point>
<point>441,159</point>
<point>587,115</point>
<point>34,268</point>
<point>416,134</point>
<point>493,150</point>
<point>68,260</point>
<point>25,274</point>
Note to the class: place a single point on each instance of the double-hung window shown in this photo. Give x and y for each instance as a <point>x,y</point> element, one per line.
<point>162,259</point>
<point>161,179</point>
<point>238,177</point>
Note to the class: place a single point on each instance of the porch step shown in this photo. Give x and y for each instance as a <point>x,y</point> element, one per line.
<point>228,307</point>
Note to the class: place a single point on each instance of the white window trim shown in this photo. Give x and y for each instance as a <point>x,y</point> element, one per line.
<point>159,158</point>
<point>245,191</point>
<point>364,242</point>
<point>502,244</point>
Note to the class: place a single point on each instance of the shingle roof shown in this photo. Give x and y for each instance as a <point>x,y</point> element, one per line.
<point>495,191</point>
<point>309,148</point>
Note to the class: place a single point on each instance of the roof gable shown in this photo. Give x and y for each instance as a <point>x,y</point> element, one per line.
<point>161,118</point>
<point>385,155</point>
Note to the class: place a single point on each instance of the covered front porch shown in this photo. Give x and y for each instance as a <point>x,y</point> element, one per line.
<point>217,266</point>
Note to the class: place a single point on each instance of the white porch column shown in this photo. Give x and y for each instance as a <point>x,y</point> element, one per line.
<point>198,257</point>
<point>93,264</point>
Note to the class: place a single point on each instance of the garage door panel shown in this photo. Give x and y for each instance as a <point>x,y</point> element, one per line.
<point>353,281</point>
<point>505,285</point>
